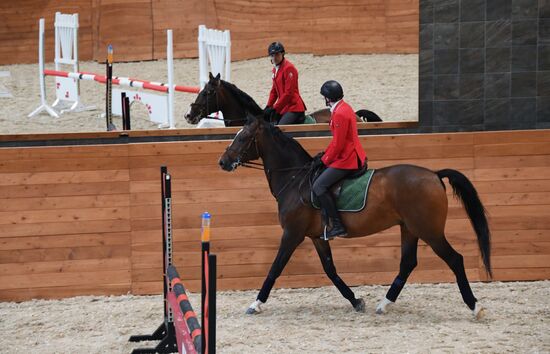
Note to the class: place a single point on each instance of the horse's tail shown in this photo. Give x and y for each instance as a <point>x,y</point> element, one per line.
<point>465,191</point>
<point>368,116</point>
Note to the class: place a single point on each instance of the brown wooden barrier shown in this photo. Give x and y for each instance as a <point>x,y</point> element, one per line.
<point>137,29</point>
<point>86,219</point>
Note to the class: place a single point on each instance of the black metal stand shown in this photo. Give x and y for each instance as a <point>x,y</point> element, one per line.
<point>125,104</point>
<point>212,304</point>
<point>165,333</point>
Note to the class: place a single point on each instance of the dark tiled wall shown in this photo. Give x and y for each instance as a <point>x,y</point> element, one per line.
<point>484,65</point>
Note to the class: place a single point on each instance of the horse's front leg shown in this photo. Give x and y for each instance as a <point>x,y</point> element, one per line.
<point>289,242</point>
<point>325,254</point>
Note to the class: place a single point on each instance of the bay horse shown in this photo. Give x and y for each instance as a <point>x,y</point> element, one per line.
<point>219,95</point>
<point>410,196</point>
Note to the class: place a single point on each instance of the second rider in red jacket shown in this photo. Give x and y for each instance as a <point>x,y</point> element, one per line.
<point>343,156</point>
<point>285,103</point>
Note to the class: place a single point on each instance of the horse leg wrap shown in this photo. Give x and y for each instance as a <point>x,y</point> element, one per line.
<point>266,289</point>
<point>478,311</point>
<point>381,308</point>
<point>254,308</point>
<point>395,289</point>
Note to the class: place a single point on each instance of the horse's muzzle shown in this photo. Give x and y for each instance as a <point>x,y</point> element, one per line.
<point>228,166</point>
<point>190,119</point>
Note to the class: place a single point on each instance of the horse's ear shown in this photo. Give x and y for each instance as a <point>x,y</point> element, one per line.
<point>210,76</point>
<point>218,76</point>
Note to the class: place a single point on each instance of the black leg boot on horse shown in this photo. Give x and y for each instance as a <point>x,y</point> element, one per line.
<point>329,207</point>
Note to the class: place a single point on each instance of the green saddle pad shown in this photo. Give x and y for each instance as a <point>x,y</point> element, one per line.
<point>353,193</point>
<point>309,120</point>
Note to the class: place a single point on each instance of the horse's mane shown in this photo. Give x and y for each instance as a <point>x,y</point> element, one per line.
<point>244,98</point>
<point>287,140</point>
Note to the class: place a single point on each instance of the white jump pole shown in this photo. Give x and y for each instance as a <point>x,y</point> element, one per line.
<point>171,87</point>
<point>44,106</point>
<point>203,78</point>
<point>227,40</point>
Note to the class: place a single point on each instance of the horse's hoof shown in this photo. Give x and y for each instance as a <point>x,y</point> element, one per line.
<point>479,312</point>
<point>359,305</point>
<point>254,308</point>
<point>381,308</point>
<point>251,311</point>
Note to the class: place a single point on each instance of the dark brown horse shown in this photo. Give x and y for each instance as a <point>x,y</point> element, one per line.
<point>219,95</point>
<point>406,195</point>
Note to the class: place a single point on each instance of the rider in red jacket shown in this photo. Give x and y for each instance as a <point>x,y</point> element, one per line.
<point>344,155</point>
<point>284,99</point>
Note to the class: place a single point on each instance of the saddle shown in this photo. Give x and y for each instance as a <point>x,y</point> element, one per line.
<point>351,192</point>
<point>309,120</point>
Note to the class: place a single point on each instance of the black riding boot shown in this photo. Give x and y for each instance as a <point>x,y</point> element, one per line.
<point>329,206</point>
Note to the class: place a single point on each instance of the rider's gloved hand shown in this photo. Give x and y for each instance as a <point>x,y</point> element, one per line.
<point>276,117</point>
<point>268,113</point>
<point>317,162</point>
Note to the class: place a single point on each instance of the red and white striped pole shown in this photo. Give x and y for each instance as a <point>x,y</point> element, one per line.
<point>122,81</point>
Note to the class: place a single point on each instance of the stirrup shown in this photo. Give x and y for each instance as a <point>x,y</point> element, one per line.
<point>325,235</point>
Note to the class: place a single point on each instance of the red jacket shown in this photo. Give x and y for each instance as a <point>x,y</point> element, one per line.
<point>285,95</point>
<point>344,148</point>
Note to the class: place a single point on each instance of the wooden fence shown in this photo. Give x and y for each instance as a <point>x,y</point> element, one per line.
<point>86,219</point>
<point>137,29</point>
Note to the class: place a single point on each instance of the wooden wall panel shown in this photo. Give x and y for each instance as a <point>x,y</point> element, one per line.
<point>137,29</point>
<point>19,28</point>
<point>517,165</point>
<point>127,26</point>
<point>86,220</point>
<point>183,17</point>
<point>64,222</point>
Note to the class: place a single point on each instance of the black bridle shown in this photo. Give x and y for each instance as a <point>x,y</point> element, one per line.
<point>204,107</point>
<point>241,156</point>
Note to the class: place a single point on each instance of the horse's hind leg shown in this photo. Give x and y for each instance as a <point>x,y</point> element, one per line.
<point>455,261</point>
<point>409,245</point>
<point>325,254</point>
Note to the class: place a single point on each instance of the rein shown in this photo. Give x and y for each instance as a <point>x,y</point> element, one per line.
<point>226,119</point>
<point>260,166</point>
<point>253,165</point>
<point>289,182</point>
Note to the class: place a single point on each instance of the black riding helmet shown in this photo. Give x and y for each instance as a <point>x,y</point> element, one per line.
<point>332,90</point>
<point>275,47</point>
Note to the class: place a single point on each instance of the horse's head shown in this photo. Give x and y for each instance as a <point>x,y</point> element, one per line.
<point>244,147</point>
<point>207,101</point>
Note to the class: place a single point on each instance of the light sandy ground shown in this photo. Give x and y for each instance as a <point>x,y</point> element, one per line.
<point>384,83</point>
<point>426,319</point>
